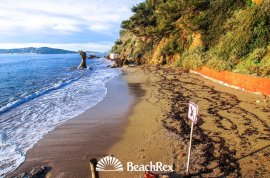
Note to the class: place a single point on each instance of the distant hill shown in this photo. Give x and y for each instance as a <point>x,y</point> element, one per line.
<point>42,50</point>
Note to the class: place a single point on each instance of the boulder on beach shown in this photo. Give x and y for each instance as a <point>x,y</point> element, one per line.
<point>38,172</point>
<point>117,63</point>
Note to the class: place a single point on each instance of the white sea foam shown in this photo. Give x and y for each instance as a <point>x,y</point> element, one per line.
<point>37,94</point>
<point>25,124</point>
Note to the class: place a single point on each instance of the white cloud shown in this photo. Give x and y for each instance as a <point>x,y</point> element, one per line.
<point>62,16</point>
<point>99,27</point>
<point>99,47</point>
<point>43,21</point>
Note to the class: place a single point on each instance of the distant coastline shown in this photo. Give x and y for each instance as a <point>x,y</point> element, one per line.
<point>33,50</point>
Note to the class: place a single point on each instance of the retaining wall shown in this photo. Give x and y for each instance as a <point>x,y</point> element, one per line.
<point>240,81</point>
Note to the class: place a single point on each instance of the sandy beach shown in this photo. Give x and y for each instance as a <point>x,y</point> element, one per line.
<point>231,138</point>
<point>68,149</point>
<point>146,120</point>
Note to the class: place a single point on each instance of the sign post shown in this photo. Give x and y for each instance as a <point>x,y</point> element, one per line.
<point>192,115</point>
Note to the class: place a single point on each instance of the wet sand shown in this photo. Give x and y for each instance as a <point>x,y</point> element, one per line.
<point>68,148</point>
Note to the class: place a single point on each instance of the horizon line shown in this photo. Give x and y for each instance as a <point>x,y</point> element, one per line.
<point>101,47</point>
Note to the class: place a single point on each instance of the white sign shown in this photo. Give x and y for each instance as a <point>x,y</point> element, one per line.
<point>193,110</point>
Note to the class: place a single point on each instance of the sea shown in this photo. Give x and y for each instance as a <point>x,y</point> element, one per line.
<point>38,93</point>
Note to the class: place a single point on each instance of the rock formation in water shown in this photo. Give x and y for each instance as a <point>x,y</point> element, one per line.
<point>83,63</point>
<point>93,56</point>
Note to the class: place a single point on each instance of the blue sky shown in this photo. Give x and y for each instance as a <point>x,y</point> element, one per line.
<point>67,24</point>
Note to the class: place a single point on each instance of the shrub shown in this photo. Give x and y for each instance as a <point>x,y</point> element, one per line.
<point>252,64</point>
<point>247,30</point>
<point>217,15</point>
<point>192,59</point>
<point>175,45</point>
<point>235,41</point>
<point>218,63</point>
<point>249,2</point>
<point>118,42</point>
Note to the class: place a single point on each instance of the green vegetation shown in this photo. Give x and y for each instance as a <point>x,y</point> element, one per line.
<point>175,45</point>
<point>223,34</point>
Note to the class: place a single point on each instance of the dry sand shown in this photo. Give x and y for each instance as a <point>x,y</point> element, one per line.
<point>231,138</point>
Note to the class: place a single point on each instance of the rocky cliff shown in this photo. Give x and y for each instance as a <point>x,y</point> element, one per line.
<point>223,34</point>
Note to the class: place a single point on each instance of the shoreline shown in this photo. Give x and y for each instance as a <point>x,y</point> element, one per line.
<point>68,149</point>
<point>231,135</point>
<point>144,138</point>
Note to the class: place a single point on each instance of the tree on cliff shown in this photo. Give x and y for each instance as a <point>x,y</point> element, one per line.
<point>83,63</point>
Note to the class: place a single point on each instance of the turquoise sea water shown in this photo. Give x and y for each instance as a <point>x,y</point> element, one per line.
<point>38,93</point>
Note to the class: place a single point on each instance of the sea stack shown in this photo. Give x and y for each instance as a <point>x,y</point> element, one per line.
<point>83,63</point>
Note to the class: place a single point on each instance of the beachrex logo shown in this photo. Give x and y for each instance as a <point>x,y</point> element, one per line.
<point>155,167</point>
<point>110,163</point>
